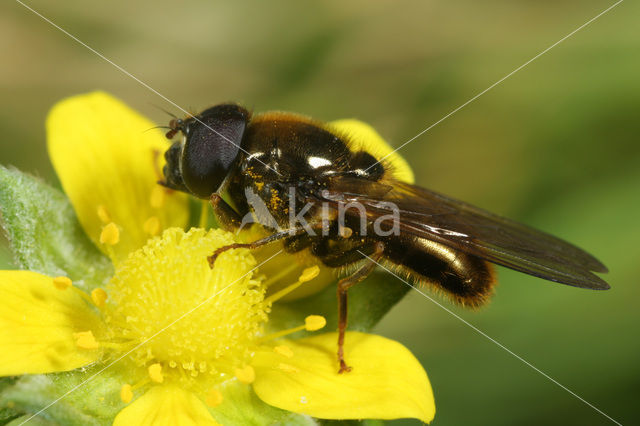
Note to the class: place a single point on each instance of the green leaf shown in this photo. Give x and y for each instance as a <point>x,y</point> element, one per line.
<point>241,406</point>
<point>368,302</point>
<point>8,412</point>
<point>44,232</point>
<point>35,421</point>
<point>94,402</point>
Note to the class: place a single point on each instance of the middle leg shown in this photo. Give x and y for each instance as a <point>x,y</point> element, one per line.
<point>345,284</point>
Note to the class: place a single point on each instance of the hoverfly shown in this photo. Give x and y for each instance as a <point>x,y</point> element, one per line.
<point>282,158</point>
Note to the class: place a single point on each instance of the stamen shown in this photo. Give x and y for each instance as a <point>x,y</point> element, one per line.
<point>86,340</point>
<point>246,374</point>
<point>62,283</point>
<point>214,398</point>
<point>155,373</point>
<point>110,234</point>
<point>152,226</point>
<point>307,275</point>
<point>157,197</point>
<point>98,296</point>
<point>283,350</point>
<point>103,214</point>
<point>287,368</point>
<point>126,393</point>
<point>311,323</point>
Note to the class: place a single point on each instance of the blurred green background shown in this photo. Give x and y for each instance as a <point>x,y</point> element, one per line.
<point>555,146</point>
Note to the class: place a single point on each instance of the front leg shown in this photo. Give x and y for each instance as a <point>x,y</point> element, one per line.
<point>259,243</point>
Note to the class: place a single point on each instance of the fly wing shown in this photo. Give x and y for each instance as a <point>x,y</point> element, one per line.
<point>459,225</point>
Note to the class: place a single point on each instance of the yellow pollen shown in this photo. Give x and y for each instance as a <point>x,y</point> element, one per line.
<point>126,393</point>
<point>62,283</point>
<point>287,368</point>
<point>103,214</point>
<point>155,373</point>
<point>152,226</point>
<point>246,374</point>
<point>86,340</point>
<point>284,351</point>
<point>157,197</point>
<point>314,322</point>
<point>214,398</point>
<point>345,232</point>
<point>110,234</point>
<point>98,296</point>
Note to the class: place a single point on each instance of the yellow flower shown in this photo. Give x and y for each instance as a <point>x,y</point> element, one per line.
<point>189,340</point>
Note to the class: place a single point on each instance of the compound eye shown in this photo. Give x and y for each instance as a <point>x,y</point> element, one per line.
<point>211,148</point>
<point>171,170</point>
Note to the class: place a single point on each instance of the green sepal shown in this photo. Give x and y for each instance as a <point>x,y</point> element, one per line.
<point>45,234</point>
<point>241,406</point>
<point>74,401</point>
<point>368,302</point>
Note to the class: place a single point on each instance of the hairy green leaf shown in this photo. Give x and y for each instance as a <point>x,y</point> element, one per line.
<point>44,232</point>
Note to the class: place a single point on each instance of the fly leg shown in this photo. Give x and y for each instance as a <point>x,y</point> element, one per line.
<point>344,285</point>
<point>258,243</point>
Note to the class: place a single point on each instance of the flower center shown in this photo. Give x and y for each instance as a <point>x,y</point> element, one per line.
<point>195,320</point>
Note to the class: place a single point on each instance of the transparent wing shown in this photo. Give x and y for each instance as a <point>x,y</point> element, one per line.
<point>459,225</point>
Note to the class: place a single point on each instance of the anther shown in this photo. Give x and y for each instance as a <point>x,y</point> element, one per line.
<point>86,340</point>
<point>155,373</point>
<point>110,234</point>
<point>98,296</point>
<point>152,226</point>
<point>62,283</point>
<point>314,322</point>
<point>309,273</point>
<point>246,374</point>
<point>126,393</point>
<point>103,214</point>
<point>214,398</point>
<point>157,197</point>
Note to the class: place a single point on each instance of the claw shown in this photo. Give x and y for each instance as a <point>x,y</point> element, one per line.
<point>344,368</point>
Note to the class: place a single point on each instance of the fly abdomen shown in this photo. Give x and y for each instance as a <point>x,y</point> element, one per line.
<point>466,279</point>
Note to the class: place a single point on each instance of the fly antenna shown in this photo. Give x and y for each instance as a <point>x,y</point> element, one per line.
<point>165,111</point>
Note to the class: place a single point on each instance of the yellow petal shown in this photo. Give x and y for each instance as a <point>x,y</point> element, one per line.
<point>387,382</point>
<point>165,405</point>
<point>39,325</point>
<point>104,154</point>
<point>364,137</point>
